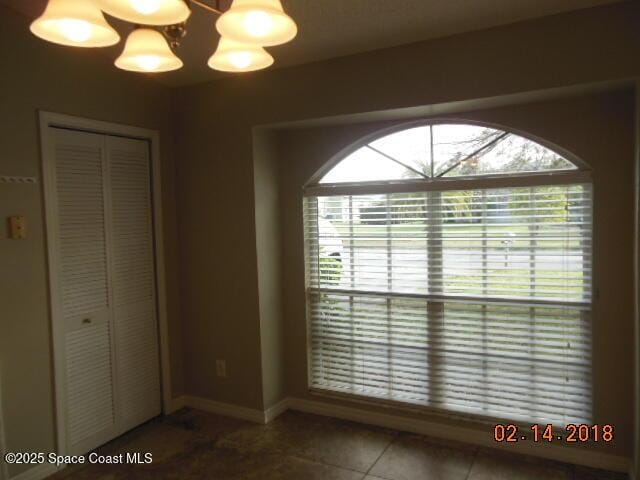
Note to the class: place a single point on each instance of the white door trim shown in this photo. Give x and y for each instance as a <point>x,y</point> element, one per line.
<point>49,119</point>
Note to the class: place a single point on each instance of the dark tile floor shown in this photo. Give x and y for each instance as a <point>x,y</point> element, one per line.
<point>298,446</point>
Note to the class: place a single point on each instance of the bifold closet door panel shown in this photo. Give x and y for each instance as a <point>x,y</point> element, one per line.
<point>80,282</point>
<point>135,321</point>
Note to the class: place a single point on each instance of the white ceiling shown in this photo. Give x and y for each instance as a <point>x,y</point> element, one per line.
<point>334,28</point>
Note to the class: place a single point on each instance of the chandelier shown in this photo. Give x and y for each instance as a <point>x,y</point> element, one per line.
<point>245,28</point>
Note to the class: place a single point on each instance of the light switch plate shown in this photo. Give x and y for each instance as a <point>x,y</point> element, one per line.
<point>17,227</point>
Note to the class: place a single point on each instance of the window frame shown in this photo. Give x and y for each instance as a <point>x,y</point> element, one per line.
<point>582,174</point>
<point>313,184</point>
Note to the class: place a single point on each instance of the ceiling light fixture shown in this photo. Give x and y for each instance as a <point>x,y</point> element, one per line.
<point>146,50</point>
<point>232,56</point>
<point>75,23</point>
<point>245,28</point>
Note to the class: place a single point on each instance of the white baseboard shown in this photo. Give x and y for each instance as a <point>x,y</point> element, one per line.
<point>176,404</point>
<point>275,411</point>
<point>226,409</point>
<point>38,472</point>
<point>574,455</point>
<point>229,410</point>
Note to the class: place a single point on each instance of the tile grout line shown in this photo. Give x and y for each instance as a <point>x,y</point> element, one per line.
<point>395,437</point>
<point>321,462</point>
<point>475,458</point>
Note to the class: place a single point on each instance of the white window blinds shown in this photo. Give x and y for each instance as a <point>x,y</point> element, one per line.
<point>470,301</point>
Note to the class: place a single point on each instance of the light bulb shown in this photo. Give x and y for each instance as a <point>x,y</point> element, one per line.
<point>146,12</point>
<point>233,56</point>
<point>75,23</point>
<point>240,60</point>
<point>258,23</point>
<point>146,50</point>
<point>146,7</point>
<point>261,23</point>
<point>148,63</point>
<point>77,31</point>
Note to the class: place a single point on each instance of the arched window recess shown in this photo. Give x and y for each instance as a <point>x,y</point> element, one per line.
<point>443,156</point>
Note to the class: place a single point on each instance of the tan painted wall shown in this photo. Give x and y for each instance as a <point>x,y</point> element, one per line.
<point>36,75</point>
<point>219,269</point>
<point>268,246</point>
<point>599,130</point>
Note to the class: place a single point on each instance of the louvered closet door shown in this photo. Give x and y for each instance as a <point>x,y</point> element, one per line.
<point>131,239</point>
<point>81,300</point>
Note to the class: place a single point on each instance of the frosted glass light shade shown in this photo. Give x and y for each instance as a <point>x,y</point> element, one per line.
<point>147,50</point>
<point>232,56</point>
<point>257,22</point>
<point>147,12</point>
<point>74,23</point>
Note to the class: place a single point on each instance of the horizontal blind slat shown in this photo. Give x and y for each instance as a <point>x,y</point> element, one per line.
<point>472,301</point>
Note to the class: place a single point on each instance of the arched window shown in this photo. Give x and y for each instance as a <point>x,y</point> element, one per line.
<point>449,266</point>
